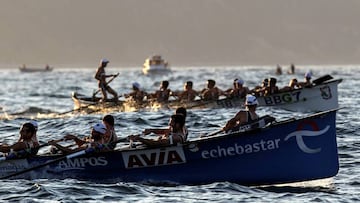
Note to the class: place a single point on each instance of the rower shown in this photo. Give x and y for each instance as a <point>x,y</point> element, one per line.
<point>110,137</point>
<point>96,140</point>
<point>159,131</point>
<point>243,116</point>
<point>137,94</point>
<point>27,142</point>
<point>211,92</point>
<point>307,80</point>
<point>103,85</point>
<point>174,137</point>
<point>239,91</point>
<point>188,95</point>
<point>162,95</point>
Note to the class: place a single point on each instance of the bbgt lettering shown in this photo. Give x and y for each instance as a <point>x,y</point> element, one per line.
<point>291,97</point>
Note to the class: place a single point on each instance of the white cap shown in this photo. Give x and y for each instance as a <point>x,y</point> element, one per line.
<point>104,61</point>
<point>308,75</point>
<point>100,128</point>
<point>251,100</point>
<point>35,124</point>
<point>240,81</point>
<point>136,84</point>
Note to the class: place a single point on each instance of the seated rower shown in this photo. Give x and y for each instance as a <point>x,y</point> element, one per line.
<point>244,116</point>
<point>188,95</point>
<point>272,88</point>
<point>211,92</point>
<point>109,137</point>
<point>239,91</point>
<point>293,84</point>
<point>175,136</point>
<point>27,142</point>
<point>96,140</point>
<point>181,111</point>
<point>137,94</point>
<point>307,80</point>
<point>260,89</point>
<point>163,94</point>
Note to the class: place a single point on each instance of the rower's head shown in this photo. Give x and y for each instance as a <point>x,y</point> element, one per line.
<point>272,81</point>
<point>164,84</point>
<point>251,101</point>
<point>293,83</point>
<point>265,82</point>
<point>188,85</point>
<point>27,130</point>
<point>177,121</point>
<point>308,75</point>
<point>97,132</point>
<point>104,62</point>
<point>35,124</point>
<point>235,83</point>
<point>109,119</point>
<point>181,111</point>
<point>240,82</point>
<point>136,86</point>
<point>211,83</point>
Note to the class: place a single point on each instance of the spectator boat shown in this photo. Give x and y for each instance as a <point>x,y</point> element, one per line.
<point>155,65</point>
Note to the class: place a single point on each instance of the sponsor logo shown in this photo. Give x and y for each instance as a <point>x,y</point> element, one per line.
<point>285,98</point>
<point>154,157</point>
<point>237,149</point>
<point>299,134</point>
<point>81,163</point>
<point>13,168</point>
<point>326,92</point>
<point>265,145</point>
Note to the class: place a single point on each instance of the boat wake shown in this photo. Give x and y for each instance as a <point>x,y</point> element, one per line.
<point>323,185</point>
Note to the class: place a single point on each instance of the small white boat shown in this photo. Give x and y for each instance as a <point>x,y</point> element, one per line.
<point>155,65</point>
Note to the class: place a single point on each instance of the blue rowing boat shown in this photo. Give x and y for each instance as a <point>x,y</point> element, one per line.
<point>280,152</point>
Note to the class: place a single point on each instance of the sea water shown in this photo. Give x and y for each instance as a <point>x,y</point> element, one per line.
<point>44,96</point>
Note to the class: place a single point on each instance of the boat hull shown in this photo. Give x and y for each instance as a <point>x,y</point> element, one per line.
<point>320,97</point>
<point>289,151</point>
<point>155,69</point>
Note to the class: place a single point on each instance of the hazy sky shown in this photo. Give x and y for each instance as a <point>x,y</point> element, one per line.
<point>185,32</point>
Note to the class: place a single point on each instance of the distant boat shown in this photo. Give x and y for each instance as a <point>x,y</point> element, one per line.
<point>25,69</point>
<point>155,65</point>
<point>322,96</point>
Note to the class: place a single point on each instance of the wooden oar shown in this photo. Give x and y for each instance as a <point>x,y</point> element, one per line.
<point>322,79</point>
<point>97,91</point>
<point>65,157</point>
<point>78,109</point>
<point>259,123</point>
<point>213,133</point>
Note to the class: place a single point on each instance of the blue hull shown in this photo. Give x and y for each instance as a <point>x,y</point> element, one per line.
<point>290,151</point>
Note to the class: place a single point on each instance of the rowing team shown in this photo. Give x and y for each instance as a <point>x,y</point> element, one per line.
<point>211,92</point>
<point>103,136</point>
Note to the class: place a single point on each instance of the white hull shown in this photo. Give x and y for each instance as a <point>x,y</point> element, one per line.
<point>321,97</point>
